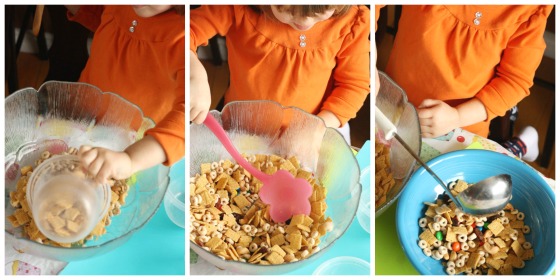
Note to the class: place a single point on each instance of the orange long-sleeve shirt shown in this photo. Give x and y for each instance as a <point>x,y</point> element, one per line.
<point>146,67</point>
<point>440,53</point>
<point>267,62</point>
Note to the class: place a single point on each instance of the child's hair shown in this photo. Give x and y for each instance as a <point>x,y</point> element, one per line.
<point>303,10</point>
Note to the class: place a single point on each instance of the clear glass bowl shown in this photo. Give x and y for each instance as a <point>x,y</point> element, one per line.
<point>393,102</point>
<point>61,115</point>
<point>269,128</point>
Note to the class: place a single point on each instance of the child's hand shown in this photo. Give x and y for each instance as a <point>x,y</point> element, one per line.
<point>200,101</point>
<point>437,118</point>
<point>104,164</point>
<point>201,97</point>
<point>329,118</point>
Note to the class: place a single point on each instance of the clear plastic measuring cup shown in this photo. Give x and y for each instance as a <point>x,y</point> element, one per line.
<point>65,204</point>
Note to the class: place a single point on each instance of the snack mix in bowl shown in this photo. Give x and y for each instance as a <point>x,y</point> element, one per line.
<point>230,225</point>
<point>439,239</point>
<point>54,121</point>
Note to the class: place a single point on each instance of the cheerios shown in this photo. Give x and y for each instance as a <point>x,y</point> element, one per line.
<point>226,204</point>
<point>22,217</point>
<point>474,245</point>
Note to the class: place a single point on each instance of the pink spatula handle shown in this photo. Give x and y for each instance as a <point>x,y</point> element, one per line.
<point>286,195</point>
<point>217,129</point>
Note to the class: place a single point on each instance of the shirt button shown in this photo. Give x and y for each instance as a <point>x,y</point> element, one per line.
<point>302,37</point>
<point>131,29</point>
<point>478,14</point>
<point>476,21</point>
<point>302,44</point>
<point>134,23</point>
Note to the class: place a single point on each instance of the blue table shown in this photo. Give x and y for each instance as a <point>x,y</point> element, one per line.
<point>156,249</point>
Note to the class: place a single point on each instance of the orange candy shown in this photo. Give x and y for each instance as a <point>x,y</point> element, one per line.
<point>456,246</point>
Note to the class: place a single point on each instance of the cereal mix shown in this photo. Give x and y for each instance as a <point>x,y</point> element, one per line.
<point>61,216</point>
<point>229,219</point>
<point>489,245</point>
<point>384,180</point>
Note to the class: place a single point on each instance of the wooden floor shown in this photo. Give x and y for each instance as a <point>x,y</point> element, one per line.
<point>535,110</point>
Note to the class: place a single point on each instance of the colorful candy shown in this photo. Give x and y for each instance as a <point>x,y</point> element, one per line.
<point>456,246</point>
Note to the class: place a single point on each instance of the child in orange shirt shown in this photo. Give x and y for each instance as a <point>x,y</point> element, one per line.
<point>312,57</point>
<point>138,53</point>
<point>462,66</point>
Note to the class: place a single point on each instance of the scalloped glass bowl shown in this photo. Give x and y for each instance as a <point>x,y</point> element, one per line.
<point>267,127</point>
<point>393,102</point>
<point>61,115</point>
<point>531,195</point>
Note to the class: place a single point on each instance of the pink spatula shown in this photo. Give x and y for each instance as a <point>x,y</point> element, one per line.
<point>286,195</point>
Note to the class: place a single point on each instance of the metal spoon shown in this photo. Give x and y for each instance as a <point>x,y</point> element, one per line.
<point>483,198</point>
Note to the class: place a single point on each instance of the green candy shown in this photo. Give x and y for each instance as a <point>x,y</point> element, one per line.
<point>485,225</point>
<point>439,235</point>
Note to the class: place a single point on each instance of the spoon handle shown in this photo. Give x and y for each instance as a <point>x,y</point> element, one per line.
<point>391,132</point>
<point>217,129</point>
<point>421,162</point>
<point>386,125</point>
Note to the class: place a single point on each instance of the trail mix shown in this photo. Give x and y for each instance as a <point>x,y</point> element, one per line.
<point>58,213</point>
<point>229,219</point>
<point>491,245</point>
<point>384,180</point>
<point>67,216</point>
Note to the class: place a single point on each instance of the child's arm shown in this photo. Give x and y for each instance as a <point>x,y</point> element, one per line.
<point>162,144</point>
<point>205,22</point>
<point>145,153</point>
<point>104,163</point>
<point>377,14</point>
<point>209,20</point>
<point>438,118</point>
<point>511,83</point>
<point>329,118</point>
<point>87,15</point>
<point>377,82</point>
<point>200,98</point>
<point>351,75</point>
<point>516,70</point>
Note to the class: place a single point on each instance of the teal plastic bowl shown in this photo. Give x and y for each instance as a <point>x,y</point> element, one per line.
<point>531,195</point>
<point>174,200</point>
<point>344,265</point>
